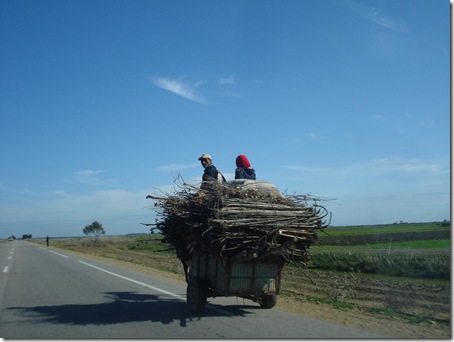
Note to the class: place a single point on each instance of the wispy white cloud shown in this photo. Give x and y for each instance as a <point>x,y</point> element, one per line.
<point>375,167</point>
<point>376,16</point>
<point>230,80</point>
<point>21,191</point>
<point>379,208</point>
<point>59,213</point>
<point>378,117</point>
<point>89,176</point>
<point>61,193</point>
<point>186,90</point>
<point>370,192</point>
<point>89,173</point>
<point>396,164</point>
<point>314,136</point>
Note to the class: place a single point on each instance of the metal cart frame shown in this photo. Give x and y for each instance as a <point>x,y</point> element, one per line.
<point>210,276</point>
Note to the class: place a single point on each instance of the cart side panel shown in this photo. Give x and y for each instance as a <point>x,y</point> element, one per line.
<point>238,278</point>
<point>212,271</point>
<point>254,278</point>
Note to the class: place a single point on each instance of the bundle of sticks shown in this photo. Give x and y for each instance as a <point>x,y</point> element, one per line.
<point>239,224</point>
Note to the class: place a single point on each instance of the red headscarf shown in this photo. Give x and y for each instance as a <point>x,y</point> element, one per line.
<point>242,160</point>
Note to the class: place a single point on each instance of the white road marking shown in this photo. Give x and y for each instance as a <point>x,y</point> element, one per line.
<point>9,258</point>
<point>224,312</point>
<point>5,270</point>
<point>135,281</point>
<point>64,256</point>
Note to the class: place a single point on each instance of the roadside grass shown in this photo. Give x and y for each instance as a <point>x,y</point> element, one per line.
<point>143,250</point>
<point>411,318</point>
<point>350,306</point>
<point>148,244</point>
<point>332,302</point>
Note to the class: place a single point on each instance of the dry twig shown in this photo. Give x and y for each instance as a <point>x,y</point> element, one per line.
<point>239,224</point>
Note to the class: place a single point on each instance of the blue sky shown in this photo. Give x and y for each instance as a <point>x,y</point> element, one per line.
<point>103,102</point>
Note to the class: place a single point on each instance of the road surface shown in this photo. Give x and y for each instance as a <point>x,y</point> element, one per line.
<point>47,293</point>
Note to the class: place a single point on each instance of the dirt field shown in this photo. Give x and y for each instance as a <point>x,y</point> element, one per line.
<point>316,293</point>
<point>370,296</point>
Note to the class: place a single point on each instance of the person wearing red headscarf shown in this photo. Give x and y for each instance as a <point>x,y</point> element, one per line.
<point>243,168</point>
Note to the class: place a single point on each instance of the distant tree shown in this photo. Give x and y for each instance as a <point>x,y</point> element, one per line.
<point>445,223</point>
<point>94,230</point>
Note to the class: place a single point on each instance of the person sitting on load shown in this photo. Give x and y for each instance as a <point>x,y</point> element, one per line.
<point>243,168</point>
<point>211,173</point>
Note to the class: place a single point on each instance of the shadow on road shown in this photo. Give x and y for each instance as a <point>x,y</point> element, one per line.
<point>125,307</point>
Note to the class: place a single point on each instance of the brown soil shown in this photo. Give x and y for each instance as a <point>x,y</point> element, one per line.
<point>420,310</point>
<point>431,304</point>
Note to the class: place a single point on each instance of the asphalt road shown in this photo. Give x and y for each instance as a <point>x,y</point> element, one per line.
<point>47,293</point>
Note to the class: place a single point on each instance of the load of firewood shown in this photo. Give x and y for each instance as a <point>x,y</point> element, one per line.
<point>239,220</point>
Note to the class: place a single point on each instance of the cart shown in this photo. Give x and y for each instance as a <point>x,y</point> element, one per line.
<point>211,276</point>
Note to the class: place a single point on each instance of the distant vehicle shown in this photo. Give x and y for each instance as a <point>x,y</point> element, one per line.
<point>10,239</point>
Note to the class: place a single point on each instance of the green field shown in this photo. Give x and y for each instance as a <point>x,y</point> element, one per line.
<point>421,244</point>
<point>406,250</point>
<point>387,228</point>
<point>419,250</point>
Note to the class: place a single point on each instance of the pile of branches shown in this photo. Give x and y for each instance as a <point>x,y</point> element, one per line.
<point>239,224</point>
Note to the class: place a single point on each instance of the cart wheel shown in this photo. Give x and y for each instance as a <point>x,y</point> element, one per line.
<point>267,301</point>
<point>196,294</point>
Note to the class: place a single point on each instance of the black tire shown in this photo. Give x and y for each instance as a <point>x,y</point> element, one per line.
<point>196,294</point>
<point>267,301</point>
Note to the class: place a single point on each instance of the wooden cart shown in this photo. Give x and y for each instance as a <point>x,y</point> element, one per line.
<point>210,276</point>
